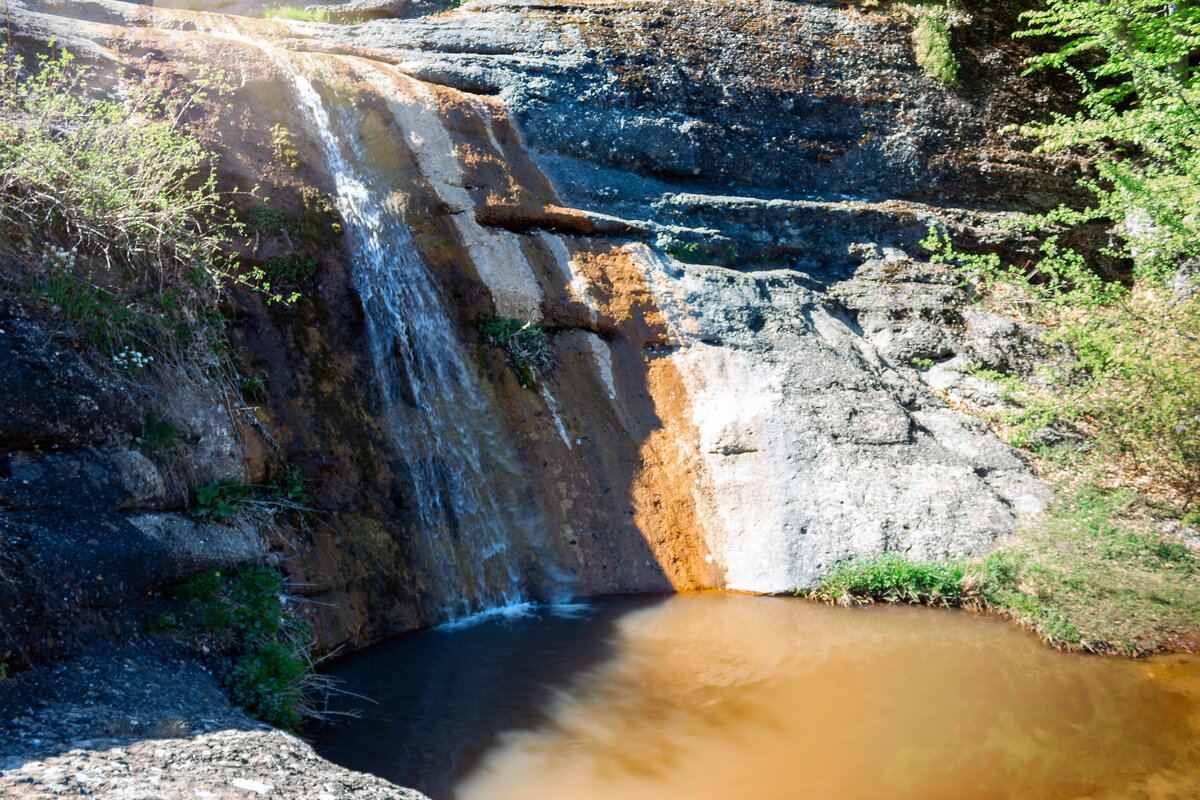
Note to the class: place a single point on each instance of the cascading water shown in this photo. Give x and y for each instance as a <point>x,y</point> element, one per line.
<point>440,421</point>
<point>468,493</point>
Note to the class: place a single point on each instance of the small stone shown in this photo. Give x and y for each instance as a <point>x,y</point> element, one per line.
<point>258,787</point>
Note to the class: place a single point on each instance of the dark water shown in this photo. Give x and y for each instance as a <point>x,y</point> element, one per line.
<point>725,696</point>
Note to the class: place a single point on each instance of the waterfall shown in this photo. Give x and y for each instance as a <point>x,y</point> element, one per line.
<point>469,492</point>
<point>441,423</point>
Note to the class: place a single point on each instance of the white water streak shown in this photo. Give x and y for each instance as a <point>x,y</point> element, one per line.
<point>462,473</point>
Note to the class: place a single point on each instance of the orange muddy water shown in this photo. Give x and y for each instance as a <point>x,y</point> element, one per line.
<point>725,696</point>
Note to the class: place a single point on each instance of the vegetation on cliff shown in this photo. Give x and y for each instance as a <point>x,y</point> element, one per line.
<point>931,42</point>
<point>138,246</point>
<point>526,345</point>
<point>1097,573</point>
<point>115,223</point>
<point>265,651</point>
<point>1128,379</point>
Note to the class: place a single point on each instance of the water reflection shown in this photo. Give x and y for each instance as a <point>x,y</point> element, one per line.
<point>444,695</point>
<point>706,696</point>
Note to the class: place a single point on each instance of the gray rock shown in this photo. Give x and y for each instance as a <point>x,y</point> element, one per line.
<point>140,477</point>
<point>143,718</point>
<point>197,545</point>
<point>816,449</point>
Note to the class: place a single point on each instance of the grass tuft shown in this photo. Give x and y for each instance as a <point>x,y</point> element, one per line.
<point>310,15</point>
<point>298,14</point>
<point>1088,577</point>
<point>931,41</point>
<point>527,345</point>
<point>892,578</point>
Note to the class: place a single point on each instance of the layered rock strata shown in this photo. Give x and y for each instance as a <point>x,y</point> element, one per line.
<point>723,424</point>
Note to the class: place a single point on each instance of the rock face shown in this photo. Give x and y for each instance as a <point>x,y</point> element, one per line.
<point>745,432</point>
<point>628,100</point>
<point>714,208</point>
<point>76,546</point>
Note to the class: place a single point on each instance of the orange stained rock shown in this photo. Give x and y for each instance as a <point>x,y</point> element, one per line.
<point>666,488</point>
<point>622,298</point>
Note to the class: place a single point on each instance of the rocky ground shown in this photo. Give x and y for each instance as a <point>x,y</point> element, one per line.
<point>146,719</point>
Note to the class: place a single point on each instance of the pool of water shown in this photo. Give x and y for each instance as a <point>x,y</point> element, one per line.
<point>727,696</point>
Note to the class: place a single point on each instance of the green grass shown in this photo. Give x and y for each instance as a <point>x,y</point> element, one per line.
<point>265,651</point>
<point>527,345</point>
<point>1122,588</point>
<point>1088,577</point>
<point>931,41</point>
<point>892,578</point>
<point>253,388</point>
<point>307,15</point>
<point>158,436</point>
<point>299,14</point>
<point>703,253</point>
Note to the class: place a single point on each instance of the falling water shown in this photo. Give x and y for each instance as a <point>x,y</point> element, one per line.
<point>440,421</point>
<point>468,492</point>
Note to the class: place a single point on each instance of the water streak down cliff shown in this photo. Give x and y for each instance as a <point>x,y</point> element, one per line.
<point>473,510</point>
<point>738,424</point>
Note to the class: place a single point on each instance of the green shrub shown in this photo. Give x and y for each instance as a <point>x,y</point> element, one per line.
<point>1139,118</point>
<point>268,220</point>
<point>527,345</point>
<point>931,43</point>
<point>290,486</point>
<point>131,194</point>
<point>1135,351</point>
<point>1131,369</point>
<point>296,269</point>
<point>892,578</point>
<point>266,651</point>
<point>268,682</point>
<point>123,179</point>
<point>222,499</point>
